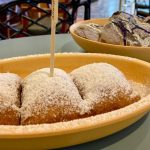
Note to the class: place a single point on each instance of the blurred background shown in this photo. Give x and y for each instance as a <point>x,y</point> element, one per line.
<point>21,18</point>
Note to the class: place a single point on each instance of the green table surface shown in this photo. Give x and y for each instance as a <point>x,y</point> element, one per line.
<point>36,45</point>
<point>135,137</point>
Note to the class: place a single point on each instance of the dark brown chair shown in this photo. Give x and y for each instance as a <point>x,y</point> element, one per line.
<point>22,18</point>
<point>142,8</point>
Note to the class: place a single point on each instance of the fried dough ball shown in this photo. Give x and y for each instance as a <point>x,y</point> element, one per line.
<point>10,90</point>
<point>104,86</point>
<point>48,99</point>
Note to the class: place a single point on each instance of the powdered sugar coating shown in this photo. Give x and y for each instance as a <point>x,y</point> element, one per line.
<point>80,123</point>
<point>58,128</point>
<point>100,80</point>
<point>142,89</point>
<point>48,99</point>
<point>58,99</point>
<point>10,88</point>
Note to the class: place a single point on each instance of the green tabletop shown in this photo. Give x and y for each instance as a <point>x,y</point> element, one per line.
<point>37,45</point>
<point>135,137</point>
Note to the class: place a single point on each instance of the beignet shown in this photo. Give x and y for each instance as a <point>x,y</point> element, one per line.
<point>104,86</point>
<point>10,90</point>
<point>48,99</point>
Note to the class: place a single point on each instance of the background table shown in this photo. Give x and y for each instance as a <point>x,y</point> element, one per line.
<point>135,137</point>
<point>37,45</point>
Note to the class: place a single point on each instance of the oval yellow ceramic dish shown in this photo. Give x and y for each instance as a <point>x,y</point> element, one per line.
<point>99,47</point>
<point>50,136</point>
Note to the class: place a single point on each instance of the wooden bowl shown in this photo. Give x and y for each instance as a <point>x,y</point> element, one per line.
<point>56,135</point>
<point>99,47</point>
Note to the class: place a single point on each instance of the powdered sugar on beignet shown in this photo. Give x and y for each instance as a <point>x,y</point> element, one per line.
<point>48,99</point>
<point>10,90</point>
<point>104,86</point>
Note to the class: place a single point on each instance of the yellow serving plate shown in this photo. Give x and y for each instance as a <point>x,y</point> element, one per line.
<point>99,47</point>
<point>50,136</point>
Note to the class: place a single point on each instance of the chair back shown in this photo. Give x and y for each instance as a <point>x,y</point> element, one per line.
<point>31,17</point>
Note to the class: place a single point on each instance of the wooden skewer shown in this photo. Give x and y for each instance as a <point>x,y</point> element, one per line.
<point>54,19</point>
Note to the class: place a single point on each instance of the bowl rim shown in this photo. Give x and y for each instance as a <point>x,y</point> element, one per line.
<point>75,25</point>
<point>79,125</point>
